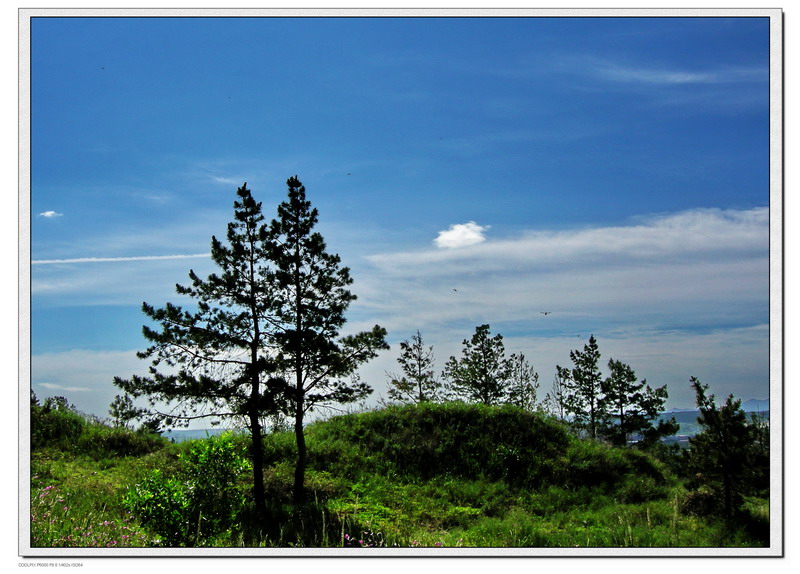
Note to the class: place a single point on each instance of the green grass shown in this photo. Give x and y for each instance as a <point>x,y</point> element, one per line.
<point>451,475</point>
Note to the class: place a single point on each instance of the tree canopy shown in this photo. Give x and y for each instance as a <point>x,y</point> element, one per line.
<point>485,375</point>
<point>418,382</point>
<point>263,334</point>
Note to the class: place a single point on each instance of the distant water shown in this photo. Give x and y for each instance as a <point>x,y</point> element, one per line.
<point>182,435</point>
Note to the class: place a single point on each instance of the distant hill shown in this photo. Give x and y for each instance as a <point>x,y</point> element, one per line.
<point>756,406</point>
<point>687,418</point>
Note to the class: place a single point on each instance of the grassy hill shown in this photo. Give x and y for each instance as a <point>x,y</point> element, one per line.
<point>449,475</point>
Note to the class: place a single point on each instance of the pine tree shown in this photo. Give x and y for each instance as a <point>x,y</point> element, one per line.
<point>631,406</point>
<point>309,298</point>
<point>553,402</point>
<point>123,412</point>
<point>221,348</point>
<point>582,386</point>
<point>418,382</point>
<point>523,383</point>
<point>482,373</point>
<point>722,451</point>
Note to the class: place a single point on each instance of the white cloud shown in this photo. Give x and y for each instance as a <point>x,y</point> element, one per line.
<point>706,233</point>
<point>116,259</point>
<point>674,295</point>
<point>54,387</point>
<point>50,214</point>
<point>461,235</point>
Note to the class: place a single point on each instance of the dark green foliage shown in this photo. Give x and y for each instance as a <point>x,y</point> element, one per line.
<point>222,348</point>
<point>200,502</point>
<point>521,448</point>
<point>309,301</point>
<point>477,476</point>
<point>124,413</point>
<point>55,424</point>
<point>418,382</point>
<point>618,408</point>
<point>728,458</point>
<point>608,468</point>
<point>630,407</point>
<point>485,375</point>
<point>100,441</point>
<point>582,388</point>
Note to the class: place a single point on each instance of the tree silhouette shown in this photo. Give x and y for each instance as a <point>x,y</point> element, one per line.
<point>482,373</point>
<point>309,297</point>
<point>631,406</point>
<point>721,453</point>
<point>220,348</point>
<point>418,382</point>
<point>582,387</point>
<point>523,382</point>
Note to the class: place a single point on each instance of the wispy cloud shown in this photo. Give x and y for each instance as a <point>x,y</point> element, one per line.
<point>642,75</point>
<point>88,374</point>
<point>675,295</point>
<point>53,387</point>
<point>50,214</point>
<point>461,235</point>
<point>702,267</point>
<point>686,234</point>
<point>118,259</point>
<point>227,180</point>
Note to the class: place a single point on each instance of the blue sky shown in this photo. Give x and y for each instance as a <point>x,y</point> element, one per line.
<point>612,171</point>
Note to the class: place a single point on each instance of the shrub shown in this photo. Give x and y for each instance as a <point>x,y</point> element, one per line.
<point>211,470</point>
<point>100,441</point>
<point>162,504</point>
<point>57,427</point>
<point>201,501</point>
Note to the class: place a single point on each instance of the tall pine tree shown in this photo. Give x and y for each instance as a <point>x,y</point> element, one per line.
<point>482,373</point>
<point>721,453</point>
<point>221,349</point>
<point>309,298</point>
<point>582,387</point>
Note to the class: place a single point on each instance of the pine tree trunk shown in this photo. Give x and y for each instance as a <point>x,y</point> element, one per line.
<point>257,456</point>
<point>300,469</point>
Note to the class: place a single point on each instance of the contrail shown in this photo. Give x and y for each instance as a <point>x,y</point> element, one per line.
<point>115,259</point>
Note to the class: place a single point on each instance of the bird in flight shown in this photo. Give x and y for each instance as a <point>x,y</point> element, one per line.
<point>545,312</point>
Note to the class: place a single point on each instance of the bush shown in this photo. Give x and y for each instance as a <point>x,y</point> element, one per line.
<point>631,474</point>
<point>100,441</point>
<point>162,504</point>
<point>201,501</point>
<point>57,427</point>
<point>212,469</point>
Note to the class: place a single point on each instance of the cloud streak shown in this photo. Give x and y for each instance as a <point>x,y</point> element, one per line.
<point>704,233</point>
<point>118,259</point>
<point>50,214</point>
<point>653,76</point>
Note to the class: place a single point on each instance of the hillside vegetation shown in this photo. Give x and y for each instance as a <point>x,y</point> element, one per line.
<point>450,475</point>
